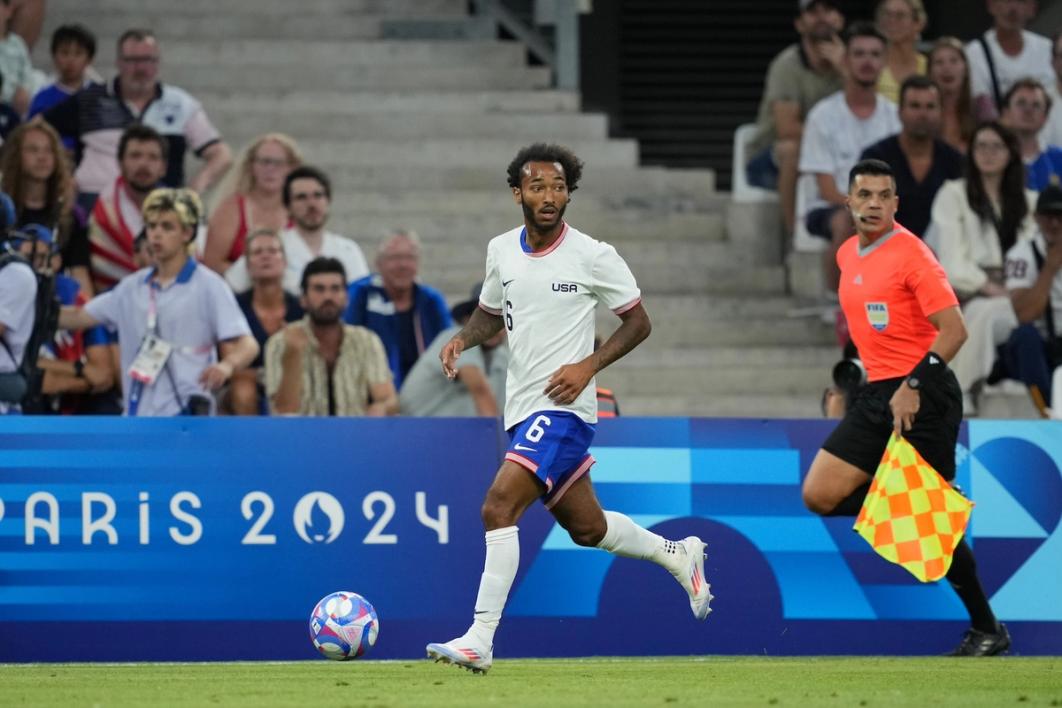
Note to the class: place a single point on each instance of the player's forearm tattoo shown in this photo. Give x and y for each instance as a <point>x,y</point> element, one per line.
<point>481,327</point>
<point>629,335</point>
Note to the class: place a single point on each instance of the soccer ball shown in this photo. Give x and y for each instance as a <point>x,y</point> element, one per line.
<point>343,626</point>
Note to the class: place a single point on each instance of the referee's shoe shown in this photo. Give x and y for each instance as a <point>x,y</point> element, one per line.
<point>977,643</point>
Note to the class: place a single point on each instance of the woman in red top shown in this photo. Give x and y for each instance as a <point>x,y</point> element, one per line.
<point>252,199</point>
<point>905,321</point>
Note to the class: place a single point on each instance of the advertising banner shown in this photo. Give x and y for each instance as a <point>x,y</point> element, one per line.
<point>190,539</point>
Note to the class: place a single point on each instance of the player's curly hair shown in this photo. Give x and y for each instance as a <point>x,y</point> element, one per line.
<point>543,152</point>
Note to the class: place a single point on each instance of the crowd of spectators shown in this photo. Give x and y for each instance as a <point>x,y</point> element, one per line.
<point>970,131</point>
<point>253,307</point>
<point>974,135</point>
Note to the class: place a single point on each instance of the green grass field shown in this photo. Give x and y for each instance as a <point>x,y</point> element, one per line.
<point>723,681</point>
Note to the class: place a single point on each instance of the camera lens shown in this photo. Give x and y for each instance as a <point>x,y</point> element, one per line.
<point>848,374</point>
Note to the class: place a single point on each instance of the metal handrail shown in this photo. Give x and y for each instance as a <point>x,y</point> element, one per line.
<point>563,56</point>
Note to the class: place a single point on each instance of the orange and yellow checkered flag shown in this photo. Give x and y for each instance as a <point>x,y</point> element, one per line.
<point>911,515</point>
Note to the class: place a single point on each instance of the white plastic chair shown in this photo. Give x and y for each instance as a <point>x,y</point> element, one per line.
<point>803,241</point>
<point>740,190</point>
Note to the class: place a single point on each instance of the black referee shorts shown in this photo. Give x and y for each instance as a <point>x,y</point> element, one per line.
<point>862,435</point>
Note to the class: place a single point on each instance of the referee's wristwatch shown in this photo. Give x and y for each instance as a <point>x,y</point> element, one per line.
<point>914,383</point>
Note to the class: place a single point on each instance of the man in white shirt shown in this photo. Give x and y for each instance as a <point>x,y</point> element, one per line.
<point>308,198</point>
<point>1052,131</point>
<point>1015,52</point>
<point>1034,278</point>
<point>543,282</point>
<point>836,132</point>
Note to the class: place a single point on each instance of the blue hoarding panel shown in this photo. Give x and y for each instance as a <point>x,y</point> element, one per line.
<point>159,539</point>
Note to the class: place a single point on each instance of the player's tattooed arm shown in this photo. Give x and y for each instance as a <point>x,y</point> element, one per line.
<point>635,328</point>
<point>480,327</point>
<point>569,381</point>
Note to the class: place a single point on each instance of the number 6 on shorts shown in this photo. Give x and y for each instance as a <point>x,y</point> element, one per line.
<point>536,431</point>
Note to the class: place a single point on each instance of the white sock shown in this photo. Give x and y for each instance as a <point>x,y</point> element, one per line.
<point>499,570</point>
<point>625,538</point>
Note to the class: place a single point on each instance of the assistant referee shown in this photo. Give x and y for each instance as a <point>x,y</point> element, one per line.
<point>906,323</point>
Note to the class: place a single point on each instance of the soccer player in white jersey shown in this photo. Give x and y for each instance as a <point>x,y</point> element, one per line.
<point>543,282</point>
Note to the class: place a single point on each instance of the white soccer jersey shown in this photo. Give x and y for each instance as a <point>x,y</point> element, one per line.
<point>547,303</point>
<point>1022,272</point>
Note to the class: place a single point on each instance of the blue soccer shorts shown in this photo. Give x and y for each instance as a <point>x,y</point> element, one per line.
<point>554,446</point>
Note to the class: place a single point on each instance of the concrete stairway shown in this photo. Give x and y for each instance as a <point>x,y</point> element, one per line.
<point>418,132</point>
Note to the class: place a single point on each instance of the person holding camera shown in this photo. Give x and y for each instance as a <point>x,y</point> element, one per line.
<point>172,318</point>
<point>1034,281</point>
<point>76,371</point>
<point>18,299</point>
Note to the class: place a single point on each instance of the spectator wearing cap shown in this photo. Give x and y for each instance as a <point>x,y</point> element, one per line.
<point>1007,52</point>
<point>838,129</point>
<point>902,22</point>
<point>405,314</point>
<point>1034,281</point>
<point>171,318</point>
<point>79,372</point>
<point>267,307</point>
<point>800,76</point>
<point>1025,109</point>
<point>307,195</point>
<point>116,216</point>
<point>318,366</point>
<point>98,114</point>
<point>73,48</point>
<point>478,389</point>
<point>920,160</point>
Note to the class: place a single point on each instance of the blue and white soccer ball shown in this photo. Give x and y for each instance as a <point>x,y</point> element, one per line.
<point>343,626</point>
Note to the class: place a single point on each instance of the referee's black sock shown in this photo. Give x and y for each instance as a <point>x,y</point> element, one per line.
<point>850,505</point>
<point>963,578</point>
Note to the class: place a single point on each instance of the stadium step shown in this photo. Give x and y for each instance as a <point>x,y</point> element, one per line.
<point>632,181</point>
<point>806,381</point>
<point>487,152</point>
<point>241,126</point>
<point>283,103</point>
<point>441,233</point>
<point>470,28</point>
<point>728,356</point>
<point>369,77</point>
<point>256,54</point>
<point>170,27</point>
<point>585,204</point>
<point>741,405</point>
<point>310,20</point>
<point>67,10</point>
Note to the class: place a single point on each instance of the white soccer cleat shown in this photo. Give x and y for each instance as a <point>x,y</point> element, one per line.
<point>691,577</point>
<point>464,653</point>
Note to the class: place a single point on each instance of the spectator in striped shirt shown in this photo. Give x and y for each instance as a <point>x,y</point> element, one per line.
<point>116,217</point>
